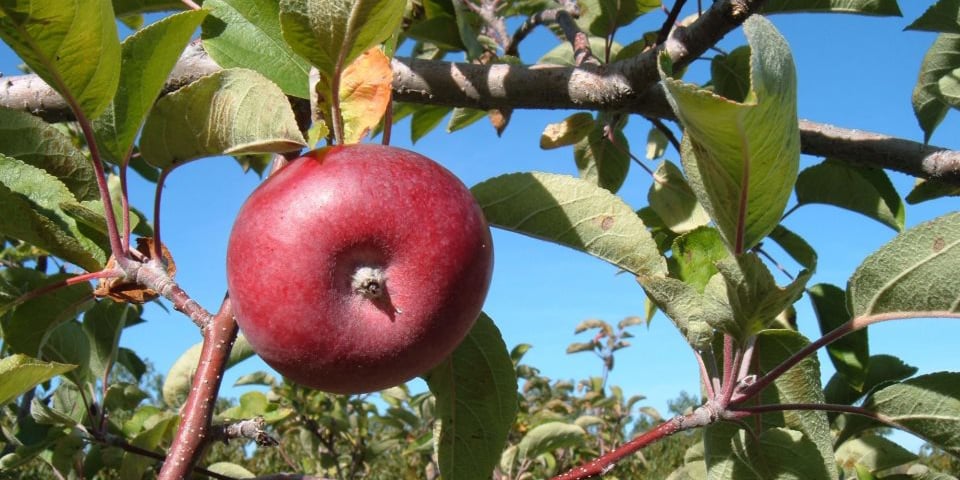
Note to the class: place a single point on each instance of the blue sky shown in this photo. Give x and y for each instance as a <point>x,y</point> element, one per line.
<point>856,72</point>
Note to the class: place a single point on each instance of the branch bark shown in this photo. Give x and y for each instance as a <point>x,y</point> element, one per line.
<point>629,86</point>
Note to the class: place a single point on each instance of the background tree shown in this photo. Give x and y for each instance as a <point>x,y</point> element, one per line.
<point>270,78</point>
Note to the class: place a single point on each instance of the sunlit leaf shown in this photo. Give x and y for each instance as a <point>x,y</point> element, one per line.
<point>71,44</point>
<point>741,158</point>
<point>476,399</point>
<point>246,34</point>
<point>19,373</point>
<point>864,190</point>
<point>571,212</point>
<point>862,7</point>
<point>27,138</point>
<point>365,91</point>
<point>916,272</point>
<point>147,57</point>
<point>331,34</point>
<point>928,406</point>
<point>695,256</point>
<point>132,7</point>
<point>873,452</point>
<point>567,131</point>
<point>562,54</point>
<point>601,17</point>
<point>177,382</point>
<point>232,111</point>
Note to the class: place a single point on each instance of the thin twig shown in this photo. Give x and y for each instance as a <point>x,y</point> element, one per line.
<point>670,22</point>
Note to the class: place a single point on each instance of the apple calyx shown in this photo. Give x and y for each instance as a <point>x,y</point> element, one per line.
<point>369,282</point>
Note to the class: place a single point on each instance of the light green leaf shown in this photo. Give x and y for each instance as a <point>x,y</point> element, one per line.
<point>255,404</point>
<point>562,54</point>
<point>157,428</point>
<point>231,470</point>
<point>849,354</point>
<point>574,213</point>
<point>741,158</point>
<point>800,384</point>
<point>71,44</point>
<point>246,33</point>
<point>27,138</point>
<point>176,385</point>
<point>674,201</point>
<point>873,452</point>
<point>476,400</point>
<point>19,373</point>
<point>332,33</point>
<point>695,255</point>
<point>928,406</point>
<point>233,111</point>
<point>550,436</point>
<point>864,190</point>
<point>147,57</point>
<point>31,200</point>
<point>753,295</point>
<point>601,160</point>
<point>929,104</point>
<point>695,315</point>
<point>863,7</point>
<point>916,272</point>
<point>602,17</point>
<point>463,117</point>
<point>657,143</point>
<point>942,16</point>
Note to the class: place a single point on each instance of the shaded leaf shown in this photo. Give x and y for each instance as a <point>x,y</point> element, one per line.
<point>132,7</point>
<point>795,246</point>
<point>147,57</point>
<point>550,436</point>
<point>730,74</point>
<point>562,54</point>
<point>873,453</point>
<point>246,34</point>
<point>33,141</point>
<point>71,44</point>
<point>881,370</point>
<point>928,406</point>
<point>27,326</point>
<point>741,158</point>
<point>929,105</point>
<point>571,212</point>
<point>864,190</point>
<point>849,354</point>
<point>232,111</point>
<point>674,201</point>
<point>862,7</point>
<point>942,16</point>
<point>601,17</point>
<point>915,272</point>
<point>602,160</point>
<point>425,119</point>
<point>103,324</point>
<point>475,390</point>
<point>926,189</point>
<point>19,373</point>
<point>463,117</point>
<point>68,344</point>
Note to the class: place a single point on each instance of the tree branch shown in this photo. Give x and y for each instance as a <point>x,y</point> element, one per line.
<point>629,86</point>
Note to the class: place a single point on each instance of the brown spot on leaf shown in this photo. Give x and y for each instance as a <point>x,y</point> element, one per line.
<point>938,244</point>
<point>606,223</point>
<point>122,290</point>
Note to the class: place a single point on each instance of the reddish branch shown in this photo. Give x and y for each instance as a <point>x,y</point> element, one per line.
<point>194,430</point>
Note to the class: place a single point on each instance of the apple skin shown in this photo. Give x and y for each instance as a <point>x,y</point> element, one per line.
<point>301,238</point>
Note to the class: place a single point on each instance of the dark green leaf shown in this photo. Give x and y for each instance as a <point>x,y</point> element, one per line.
<point>864,190</point>
<point>601,160</point>
<point>916,272</point>
<point>103,324</point>
<point>441,31</point>
<point>928,406</point>
<point>233,111</point>
<point>571,212</point>
<point>26,328</point>
<point>27,138</point>
<point>19,373</point>
<point>741,159</point>
<point>863,7</point>
<point>881,369</point>
<point>942,16</point>
<point>926,189</point>
<point>425,119</point>
<point>69,344</point>
<point>695,255</point>
<point>71,44</point>
<point>850,353</point>
<point>602,17</point>
<point>795,246</point>
<point>147,57</point>
<point>730,74</point>
<point>929,104</point>
<point>476,398</point>
<point>550,436</point>
<point>246,33</point>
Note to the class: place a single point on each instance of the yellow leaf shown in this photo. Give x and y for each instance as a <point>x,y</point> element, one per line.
<point>364,94</point>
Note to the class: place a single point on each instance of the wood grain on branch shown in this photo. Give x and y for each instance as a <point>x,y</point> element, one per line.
<point>628,86</point>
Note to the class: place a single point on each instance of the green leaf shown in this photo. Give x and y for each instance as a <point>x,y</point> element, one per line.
<point>602,17</point>
<point>942,16</point>
<point>781,453</point>
<point>754,296</point>
<point>103,324</point>
<point>795,246</point>
<point>916,272</point>
<point>233,111</point>
<point>147,57</point>
<point>800,384</point>
<point>850,354</point>
<point>574,213</point>
<point>464,117</point>
<point>69,344</point>
<point>441,31</point>
<point>333,33</point>
<point>695,255</point>
<point>881,370</point>
<point>31,200</point>
<point>425,119</point>
<point>674,201</point>
<point>71,44</point>
<point>156,430</point>
<point>730,74</point>
<point>694,314</point>
<point>19,373</point>
<point>124,8</point>
<point>176,385</point>
<point>255,404</point>
<point>476,401</point>
<point>873,452</point>
<point>26,328</point>
<point>929,104</point>
<point>246,33</point>
<point>741,158</point>
<point>927,406</point>
<point>601,160</point>
<point>231,470</point>
<point>546,437</point>
<point>864,190</point>
<point>862,7</point>
<point>27,138</point>
<point>926,189</point>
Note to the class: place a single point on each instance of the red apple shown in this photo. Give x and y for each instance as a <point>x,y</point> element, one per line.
<point>359,267</point>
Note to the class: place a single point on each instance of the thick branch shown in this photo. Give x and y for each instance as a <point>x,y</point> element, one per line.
<point>628,86</point>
